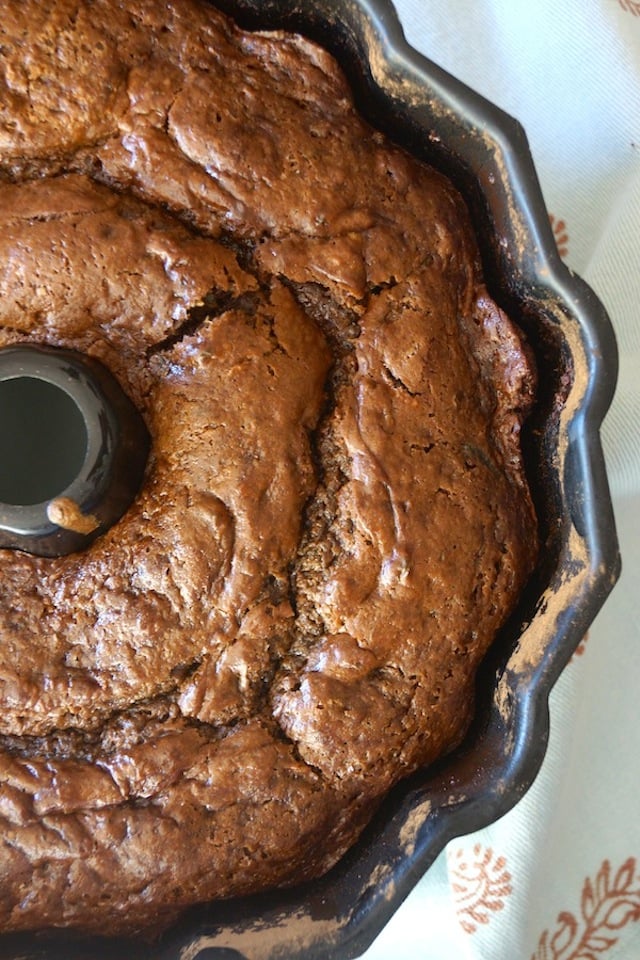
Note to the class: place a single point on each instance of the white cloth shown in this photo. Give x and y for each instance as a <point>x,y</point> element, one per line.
<point>558,877</point>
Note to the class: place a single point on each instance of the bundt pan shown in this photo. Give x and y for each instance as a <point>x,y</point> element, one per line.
<point>485,153</point>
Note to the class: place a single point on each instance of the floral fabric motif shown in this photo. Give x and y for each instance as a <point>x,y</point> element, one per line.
<point>607,905</point>
<point>631,6</point>
<point>580,649</point>
<point>561,234</point>
<point>480,883</point>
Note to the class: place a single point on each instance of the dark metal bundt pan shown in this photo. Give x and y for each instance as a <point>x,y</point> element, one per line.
<point>485,152</point>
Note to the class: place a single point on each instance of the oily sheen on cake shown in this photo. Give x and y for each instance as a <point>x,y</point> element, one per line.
<point>213,697</point>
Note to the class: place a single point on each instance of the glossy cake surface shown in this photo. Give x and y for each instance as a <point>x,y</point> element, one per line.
<point>213,698</point>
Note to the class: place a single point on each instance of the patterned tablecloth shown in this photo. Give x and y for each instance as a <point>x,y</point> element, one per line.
<point>558,878</point>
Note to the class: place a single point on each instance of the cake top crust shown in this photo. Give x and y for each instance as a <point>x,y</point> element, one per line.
<point>335,520</point>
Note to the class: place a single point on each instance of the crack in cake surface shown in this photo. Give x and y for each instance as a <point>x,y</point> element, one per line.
<point>282,589</point>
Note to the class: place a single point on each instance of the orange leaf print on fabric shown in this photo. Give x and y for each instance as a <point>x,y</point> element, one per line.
<point>480,883</point>
<point>631,6</point>
<point>608,904</point>
<point>580,649</point>
<point>561,234</point>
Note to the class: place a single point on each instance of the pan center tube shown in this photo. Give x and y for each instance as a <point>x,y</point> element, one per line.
<point>43,438</point>
<point>73,450</point>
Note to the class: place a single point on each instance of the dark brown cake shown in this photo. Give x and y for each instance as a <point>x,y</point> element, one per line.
<point>335,522</point>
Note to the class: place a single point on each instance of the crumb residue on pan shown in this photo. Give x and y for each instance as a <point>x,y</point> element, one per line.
<point>413,824</point>
<point>65,513</point>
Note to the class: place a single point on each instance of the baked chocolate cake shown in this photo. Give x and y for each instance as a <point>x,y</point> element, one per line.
<point>213,697</point>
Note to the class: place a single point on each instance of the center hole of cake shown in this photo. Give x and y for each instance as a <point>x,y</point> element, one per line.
<point>43,441</point>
